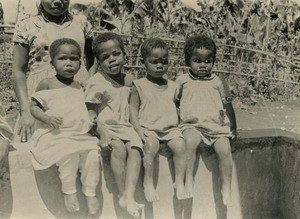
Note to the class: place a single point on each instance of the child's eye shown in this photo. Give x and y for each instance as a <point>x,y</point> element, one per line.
<point>117,53</point>
<point>154,62</point>
<point>208,61</point>
<point>196,60</point>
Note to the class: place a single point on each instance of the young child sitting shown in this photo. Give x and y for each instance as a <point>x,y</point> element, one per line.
<point>63,124</point>
<point>107,96</point>
<point>154,116</point>
<point>206,111</point>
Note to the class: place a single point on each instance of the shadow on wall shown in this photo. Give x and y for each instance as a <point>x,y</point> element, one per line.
<point>265,184</point>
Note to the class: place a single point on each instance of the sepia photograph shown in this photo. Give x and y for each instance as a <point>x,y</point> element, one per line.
<point>150,109</point>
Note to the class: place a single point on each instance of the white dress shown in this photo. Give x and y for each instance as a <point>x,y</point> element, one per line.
<point>49,145</point>
<point>201,107</point>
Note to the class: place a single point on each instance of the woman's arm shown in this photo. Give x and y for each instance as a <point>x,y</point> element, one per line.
<point>134,105</point>
<point>19,68</point>
<point>88,52</point>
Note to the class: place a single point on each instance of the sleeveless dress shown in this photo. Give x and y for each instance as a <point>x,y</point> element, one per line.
<point>113,102</point>
<point>39,34</point>
<point>158,114</point>
<point>49,145</point>
<point>201,107</point>
<point>5,130</point>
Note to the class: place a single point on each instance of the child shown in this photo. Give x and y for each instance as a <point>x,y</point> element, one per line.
<point>6,135</point>
<point>206,111</point>
<point>107,96</point>
<point>154,116</point>
<point>62,136</point>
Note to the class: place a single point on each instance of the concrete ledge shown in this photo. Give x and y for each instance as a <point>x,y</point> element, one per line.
<point>259,187</point>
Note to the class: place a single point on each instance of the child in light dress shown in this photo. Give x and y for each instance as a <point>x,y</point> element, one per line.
<point>6,134</point>
<point>206,111</point>
<point>154,116</point>
<point>107,97</point>
<point>62,135</point>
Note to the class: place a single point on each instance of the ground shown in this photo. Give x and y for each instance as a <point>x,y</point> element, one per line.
<point>266,114</point>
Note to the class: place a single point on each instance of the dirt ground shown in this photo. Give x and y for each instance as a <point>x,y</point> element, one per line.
<point>265,114</point>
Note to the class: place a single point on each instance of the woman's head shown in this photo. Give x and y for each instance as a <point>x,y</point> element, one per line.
<point>53,7</point>
<point>65,56</point>
<point>110,52</point>
<point>154,54</point>
<point>200,54</point>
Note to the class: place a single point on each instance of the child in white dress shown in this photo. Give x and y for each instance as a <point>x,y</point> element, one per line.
<point>62,136</point>
<point>206,111</point>
<point>107,97</point>
<point>154,116</point>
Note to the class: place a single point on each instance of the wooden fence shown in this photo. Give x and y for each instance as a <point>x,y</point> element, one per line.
<point>231,59</point>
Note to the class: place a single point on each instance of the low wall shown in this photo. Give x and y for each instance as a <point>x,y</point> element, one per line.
<point>265,184</point>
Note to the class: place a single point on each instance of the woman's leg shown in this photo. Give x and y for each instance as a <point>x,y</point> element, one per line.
<point>177,146</point>
<point>127,201</point>
<point>151,148</point>
<point>223,151</point>
<point>90,176</point>
<point>68,167</point>
<point>192,141</point>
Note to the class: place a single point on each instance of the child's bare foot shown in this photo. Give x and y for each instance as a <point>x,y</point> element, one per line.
<point>92,204</point>
<point>71,202</point>
<point>226,197</point>
<point>180,191</point>
<point>189,187</point>
<point>150,193</point>
<point>132,207</point>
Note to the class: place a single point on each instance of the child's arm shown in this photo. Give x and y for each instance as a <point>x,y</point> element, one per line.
<point>134,105</point>
<point>231,115</point>
<point>37,109</point>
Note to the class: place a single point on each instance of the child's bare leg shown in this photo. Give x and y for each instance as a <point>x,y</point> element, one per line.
<point>177,146</point>
<point>192,141</point>
<point>127,201</point>
<point>3,149</point>
<point>90,176</point>
<point>151,148</point>
<point>223,150</point>
<point>118,163</point>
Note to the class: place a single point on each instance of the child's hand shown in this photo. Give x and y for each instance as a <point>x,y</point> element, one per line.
<point>55,122</point>
<point>234,134</point>
<point>105,139</point>
<point>142,135</point>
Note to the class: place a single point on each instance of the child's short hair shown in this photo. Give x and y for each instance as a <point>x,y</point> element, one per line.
<point>104,37</point>
<point>297,24</point>
<point>198,42</point>
<point>150,44</point>
<point>62,41</point>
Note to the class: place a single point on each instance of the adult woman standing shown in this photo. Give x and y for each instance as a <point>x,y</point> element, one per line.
<point>31,60</point>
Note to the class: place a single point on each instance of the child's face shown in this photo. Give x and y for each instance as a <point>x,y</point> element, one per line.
<point>201,62</point>
<point>110,57</point>
<point>67,60</point>
<point>156,63</point>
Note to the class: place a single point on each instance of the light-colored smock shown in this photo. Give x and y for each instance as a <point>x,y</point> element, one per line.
<point>50,145</point>
<point>157,113</point>
<point>39,34</point>
<point>201,107</point>
<point>113,102</point>
<point>5,129</point>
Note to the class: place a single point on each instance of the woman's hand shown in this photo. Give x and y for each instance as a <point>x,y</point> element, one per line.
<point>26,127</point>
<point>142,135</point>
